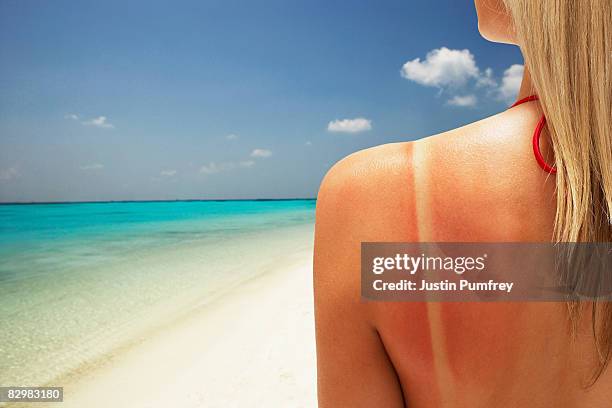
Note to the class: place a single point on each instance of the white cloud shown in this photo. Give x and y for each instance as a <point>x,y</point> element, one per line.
<point>168,173</point>
<point>8,174</point>
<point>511,82</point>
<point>261,153</point>
<point>463,101</point>
<point>231,136</point>
<point>442,67</point>
<point>100,121</point>
<point>92,166</point>
<point>350,125</point>
<point>452,70</point>
<point>246,163</point>
<point>210,168</point>
<point>213,167</point>
<point>486,79</point>
<point>308,143</point>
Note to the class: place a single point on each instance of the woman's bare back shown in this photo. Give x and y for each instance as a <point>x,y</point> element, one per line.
<point>479,183</point>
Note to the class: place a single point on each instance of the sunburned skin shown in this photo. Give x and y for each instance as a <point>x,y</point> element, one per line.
<point>479,183</point>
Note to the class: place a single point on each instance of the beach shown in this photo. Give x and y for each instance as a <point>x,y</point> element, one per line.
<point>254,347</point>
<point>182,308</point>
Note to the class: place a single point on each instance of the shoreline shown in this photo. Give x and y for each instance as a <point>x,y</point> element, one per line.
<point>179,200</point>
<point>77,319</point>
<point>251,346</point>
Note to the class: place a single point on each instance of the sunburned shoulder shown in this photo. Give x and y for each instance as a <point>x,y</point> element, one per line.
<point>482,183</point>
<point>364,194</point>
<point>366,171</point>
<point>493,144</point>
<point>377,193</point>
<point>442,184</point>
<point>385,174</point>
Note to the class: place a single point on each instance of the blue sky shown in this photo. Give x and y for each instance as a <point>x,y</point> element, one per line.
<point>134,100</point>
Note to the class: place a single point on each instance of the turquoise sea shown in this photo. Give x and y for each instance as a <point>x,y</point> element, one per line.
<point>78,281</point>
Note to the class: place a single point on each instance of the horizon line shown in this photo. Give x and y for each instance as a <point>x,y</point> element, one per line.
<point>153,201</point>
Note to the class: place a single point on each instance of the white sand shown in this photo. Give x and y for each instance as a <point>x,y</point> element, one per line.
<point>253,347</point>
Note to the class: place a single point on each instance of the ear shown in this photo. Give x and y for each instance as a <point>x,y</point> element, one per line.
<point>495,21</point>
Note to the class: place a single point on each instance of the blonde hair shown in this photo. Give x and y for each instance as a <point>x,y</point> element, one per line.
<point>567,46</point>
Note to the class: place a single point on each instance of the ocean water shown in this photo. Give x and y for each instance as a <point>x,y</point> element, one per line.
<point>78,281</point>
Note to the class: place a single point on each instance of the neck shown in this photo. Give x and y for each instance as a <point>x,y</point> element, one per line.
<point>527,88</point>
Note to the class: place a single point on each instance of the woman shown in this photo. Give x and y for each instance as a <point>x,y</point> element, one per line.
<point>479,183</point>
